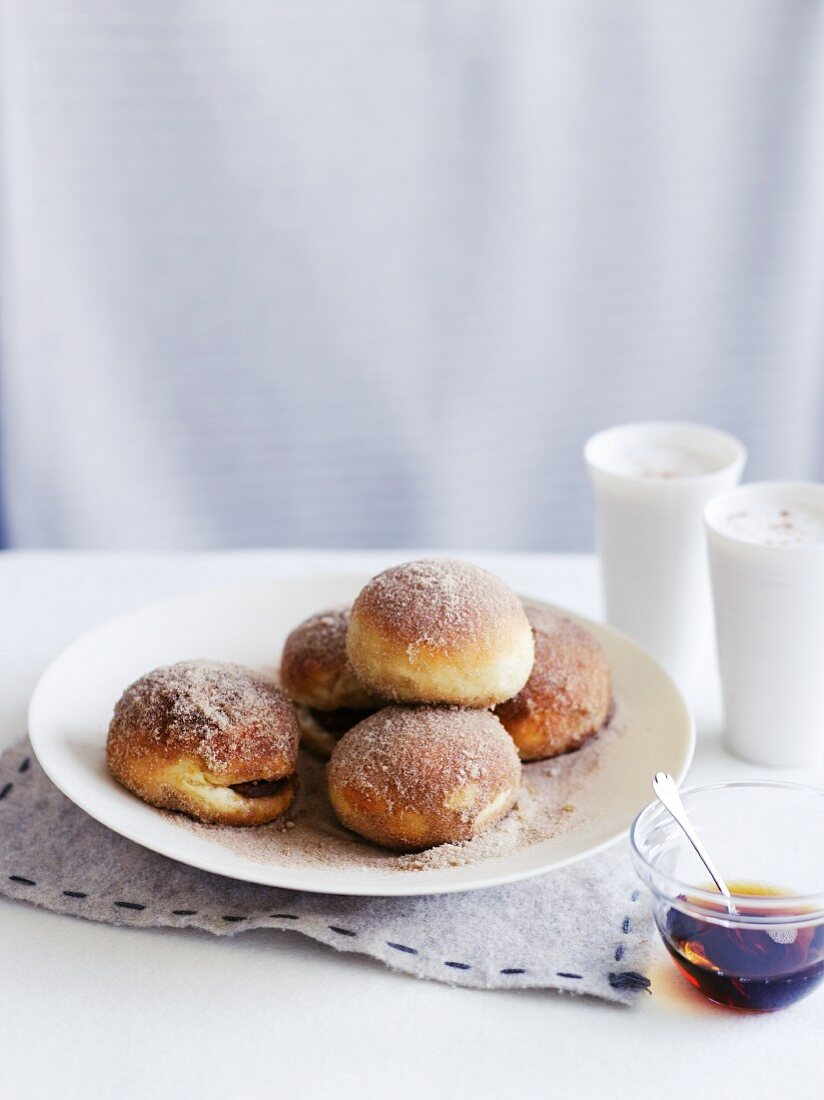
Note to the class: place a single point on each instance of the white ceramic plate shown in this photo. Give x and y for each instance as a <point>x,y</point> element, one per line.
<point>72,704</point>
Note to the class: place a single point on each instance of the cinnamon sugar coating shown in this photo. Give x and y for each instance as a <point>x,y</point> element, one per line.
<point>409,778</point>
<point>567,698</point>
<point>183,736</point>
<point>440,631</point>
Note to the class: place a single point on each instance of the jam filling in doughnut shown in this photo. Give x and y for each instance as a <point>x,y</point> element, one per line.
<point>261,788</point>
<point>341,720</point>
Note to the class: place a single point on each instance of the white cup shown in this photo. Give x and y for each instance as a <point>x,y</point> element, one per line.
<point>651,481</point>
<point>766,543</point>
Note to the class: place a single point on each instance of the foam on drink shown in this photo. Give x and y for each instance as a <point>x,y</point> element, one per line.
<point>647,461</point>
<point>773,523</point>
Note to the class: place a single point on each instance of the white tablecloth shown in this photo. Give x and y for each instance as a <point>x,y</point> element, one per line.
<point>95,1011</point>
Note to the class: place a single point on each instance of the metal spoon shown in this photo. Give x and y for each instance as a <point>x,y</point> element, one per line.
<point>667,794</point>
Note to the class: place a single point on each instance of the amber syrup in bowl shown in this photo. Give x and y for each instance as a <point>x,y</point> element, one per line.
<point>739,962</point>
<point>763,948</point>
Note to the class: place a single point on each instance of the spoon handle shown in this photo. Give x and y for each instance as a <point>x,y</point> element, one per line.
<point>667,793</point>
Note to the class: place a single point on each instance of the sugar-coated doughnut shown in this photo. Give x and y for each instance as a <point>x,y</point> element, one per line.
<point>409,778</point>
<point>316,674</point>
<point>215,741</point>
<point>568,696</point>
<point>440,631</point>
<point>315,670</point>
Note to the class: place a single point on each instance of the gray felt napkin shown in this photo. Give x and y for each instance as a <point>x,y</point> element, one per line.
<point>584,928</point>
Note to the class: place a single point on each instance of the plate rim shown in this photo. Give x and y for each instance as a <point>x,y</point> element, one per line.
<point>401,886</point>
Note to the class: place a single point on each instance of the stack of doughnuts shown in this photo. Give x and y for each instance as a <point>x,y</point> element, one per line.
<point>462,681</point>
<point>443,641</point>
<point>424,696</point>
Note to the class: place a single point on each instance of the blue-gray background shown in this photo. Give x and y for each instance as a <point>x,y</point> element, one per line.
<point>368,272</point>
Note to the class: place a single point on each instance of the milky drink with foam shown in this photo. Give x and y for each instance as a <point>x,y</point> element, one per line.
<point>651,481</point>
<point>767,560</point>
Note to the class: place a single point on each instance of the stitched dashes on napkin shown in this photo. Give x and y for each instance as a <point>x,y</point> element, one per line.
<point>584,928</point>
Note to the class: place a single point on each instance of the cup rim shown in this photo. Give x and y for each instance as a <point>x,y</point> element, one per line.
<point>754,489</point>
<point>736,462</point>
<point>812,904</point>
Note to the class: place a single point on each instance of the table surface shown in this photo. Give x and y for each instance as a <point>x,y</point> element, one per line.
<point>91,1010</point>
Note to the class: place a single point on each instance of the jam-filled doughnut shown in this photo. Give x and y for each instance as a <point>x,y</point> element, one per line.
<point>440,631</point>
<point>214,741</point>
<point>316,675</point>
<point>568,696</point>
<point>409,778</point>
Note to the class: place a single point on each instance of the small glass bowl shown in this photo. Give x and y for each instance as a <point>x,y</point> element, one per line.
<point>767,951</point>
